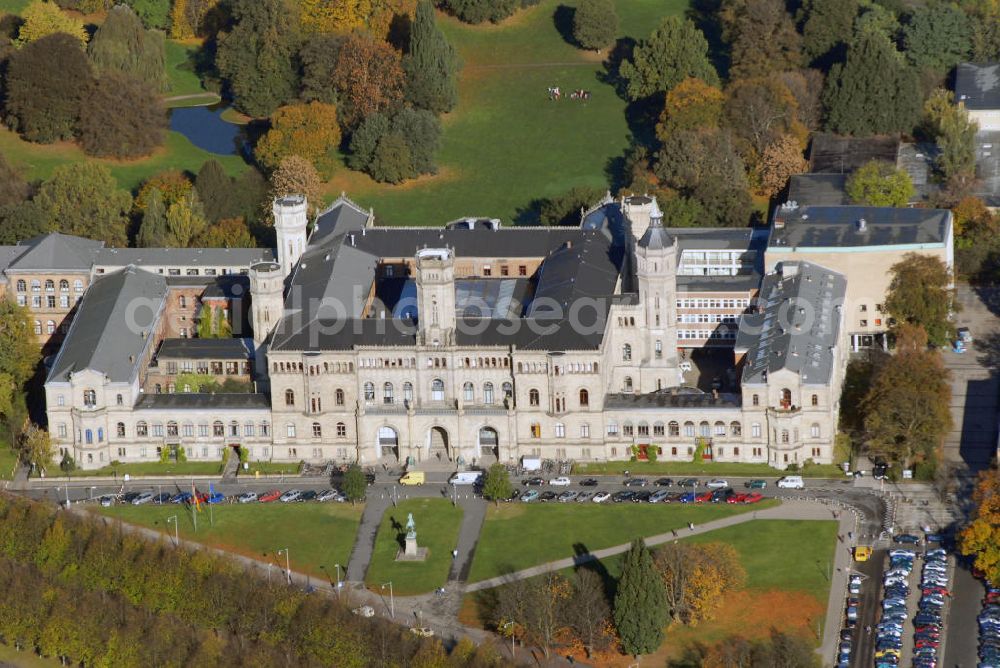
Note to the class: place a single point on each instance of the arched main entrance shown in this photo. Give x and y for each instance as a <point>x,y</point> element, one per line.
<point>489,446</point>
<point>387,443</point>
<point>437,444</point>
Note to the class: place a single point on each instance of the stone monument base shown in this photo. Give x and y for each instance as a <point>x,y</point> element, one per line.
<point>419,554</point>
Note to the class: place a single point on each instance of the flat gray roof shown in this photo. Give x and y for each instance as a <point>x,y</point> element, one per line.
<point>977,85</point>
<point>230,349</point>
<point>818,189</point>
<point>113,325</point>
<point>839,227</point>
<point>836,154</point>
<point>796,324</point>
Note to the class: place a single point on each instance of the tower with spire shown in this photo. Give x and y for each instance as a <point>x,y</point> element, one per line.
<point>656,270</point>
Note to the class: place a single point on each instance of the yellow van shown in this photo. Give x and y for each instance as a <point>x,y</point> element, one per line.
<point>412,478</point>
<point>862,553</point>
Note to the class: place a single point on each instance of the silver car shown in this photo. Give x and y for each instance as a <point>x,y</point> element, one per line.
<point>290,496</point>
<point>145,497</point>
<point>247,497</point>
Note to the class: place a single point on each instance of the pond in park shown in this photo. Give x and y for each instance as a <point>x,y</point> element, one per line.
<point>206,129</point>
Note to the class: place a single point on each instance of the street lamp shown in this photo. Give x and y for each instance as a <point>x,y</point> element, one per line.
<point>392,601</point>
<point>92,488</point>
<point>504,628</point>
<point>288,565</point>
<point>177,536</point>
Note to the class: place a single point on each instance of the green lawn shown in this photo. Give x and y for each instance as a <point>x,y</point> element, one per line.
<point>13,6</point>
<point>181,77</point>
<point>38,160</point>
<point>705,469</point>
<point>437,523</point>
<point>316,534</point>
<point>519,535</point>
<point>25,659</point>
<point>185,468</point>
<point>506,144</point>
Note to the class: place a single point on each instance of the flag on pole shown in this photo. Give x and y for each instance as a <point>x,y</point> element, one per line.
<point>197,501</point>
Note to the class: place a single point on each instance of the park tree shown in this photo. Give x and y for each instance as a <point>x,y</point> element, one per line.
<point>318,56</point>
<point>805,87</point>
<point>225,197</point>
<point>431,66</point>
<point>981,538</point>
<point>21,221</point>
<point>564,209</point>
<point>761,36</point>
<point>122,117</point>
<point>19,355</point>
<point>295,176</point>
<point>369,78</point>
<point>780,160</point>
<point>695,578</point>
<point>920,294</point>
<point>949,126</point>
<point>85,200</point>
<point>172,184</point>
<point>307,130</point>
<point>391,20</point>
<point>937,36</point>
<point>677,49</point>
<point>759,111</point>
<point>321,16</point>
<point>640,609</point>
<point>153,228</point>
<point>227,233</point>
<point>195,18</point>
<point>45,86</point>
<point>123,45</point>
<point>856,91</point>
<point>35,447</point>
<point>907,410</point>
<point>877,20</point>
<point>480,11</point>
<point>185,221</point>
<point>41,19</point>
<point>880,183</point>
<point>595,24</point>
<point>154,14</point>
<point>14,188</point>
<point>826,26</point>
<point>354,484</point>
<point>398,148</point>
<point>690,105</point>
<point>588,612</point>
<point>257,58</point>
<point>985,25</point>
<point>496,484</point>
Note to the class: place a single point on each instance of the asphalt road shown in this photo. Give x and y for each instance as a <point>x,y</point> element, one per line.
<point>962,633</point>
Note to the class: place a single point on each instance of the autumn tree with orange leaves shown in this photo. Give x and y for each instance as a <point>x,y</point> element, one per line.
<point>369,78</point>
<point>696,577</point>
<point>981,539</point>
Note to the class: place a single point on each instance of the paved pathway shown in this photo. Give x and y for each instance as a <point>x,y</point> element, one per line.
<point>473,516</point>
<point>364,542</point>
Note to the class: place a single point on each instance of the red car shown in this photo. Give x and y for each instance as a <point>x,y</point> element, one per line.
<point>704,497</point>
<point>267,497</point>
<point>927,643</point>
<point>753,497</point>
<point>737,498</point>
<point>936,590</point>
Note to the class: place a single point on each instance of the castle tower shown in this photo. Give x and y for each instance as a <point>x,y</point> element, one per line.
<point>436,295</point>
<point>266,308</point>
<point>638,209</point>
<point>291,217</point>
<point>656,270</point>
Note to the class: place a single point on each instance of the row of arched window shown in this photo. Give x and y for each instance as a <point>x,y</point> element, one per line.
<point>50,285</point>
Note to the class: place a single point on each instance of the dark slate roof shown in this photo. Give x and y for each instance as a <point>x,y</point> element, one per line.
<point>8,254</point>
<point>113,326</point>
<point>199,401</point>
<point>680,397</point>
<point>231,286</point>
<point>341,216</point>
<point>818,189</point>
<point>587,268</point>
<point>508,242</point>
<point>977,85</point>
<point>738,283</point>
<point>183,257</point>
<point>987,186</point>
<point>796,324</point>
<point>57,251</point>
<point>834,154</point>
<point>228,349</point>
<point>840,227</point>
<point>294,332</point>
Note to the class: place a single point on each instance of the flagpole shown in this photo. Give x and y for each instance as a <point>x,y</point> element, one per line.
<point>194,505</point>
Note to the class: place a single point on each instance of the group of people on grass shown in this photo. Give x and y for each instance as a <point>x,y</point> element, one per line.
<point>579,94</point>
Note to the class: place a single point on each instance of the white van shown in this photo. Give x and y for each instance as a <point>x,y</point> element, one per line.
<point>531,463</point>
<point>791,482</point>
<point>466,478</point>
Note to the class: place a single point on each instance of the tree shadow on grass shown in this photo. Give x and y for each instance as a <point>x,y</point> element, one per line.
<point>562,18</point>
<point>398,529</point>
<point>584,560</point>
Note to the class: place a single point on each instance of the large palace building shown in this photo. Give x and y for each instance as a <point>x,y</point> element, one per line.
<point>470,343</point>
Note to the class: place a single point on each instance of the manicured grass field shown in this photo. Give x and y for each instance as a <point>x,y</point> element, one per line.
<point>520,535</point>
<point>437,523</point>
<point>506,144</point>
<point>705,469</point>
<point>38,160</point>
<point>316,534</point>
<point>183,468</point>
<point>12,6</point>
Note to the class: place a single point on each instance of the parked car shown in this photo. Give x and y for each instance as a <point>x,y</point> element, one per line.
<point>290,496</point>
<point>907,539</point>
<point>533,482</point>
<point>737,498</point>
<point>755,484</point>
<point>635,482</point>
<point>567,496</point>
<point>791,482</point>
<point>530,495</point>
<point>327,495</point>
<point>181,497</point>
<point>659,496</point>
<point>601,497</point>
<point>215,497</point>
<point>547,496</point>
<point>623,495</point>
<point>688,482</point>
<point>588,482</point>
<point>704,497</point>
<point>145,497</point>
<point>129,497</point>
<point>722,495</point>
<point>267,497</point>
<point>687,497</point>
<point>161,498</point>
<point>561,481</point>
<point>664,482</point>
<point>107,501</point>
<point>308,495</point>
<point>753,497</point>
<point>584,496</point>
<point>641,496</point>
<point>515,494</point>
<point>717,483</point>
